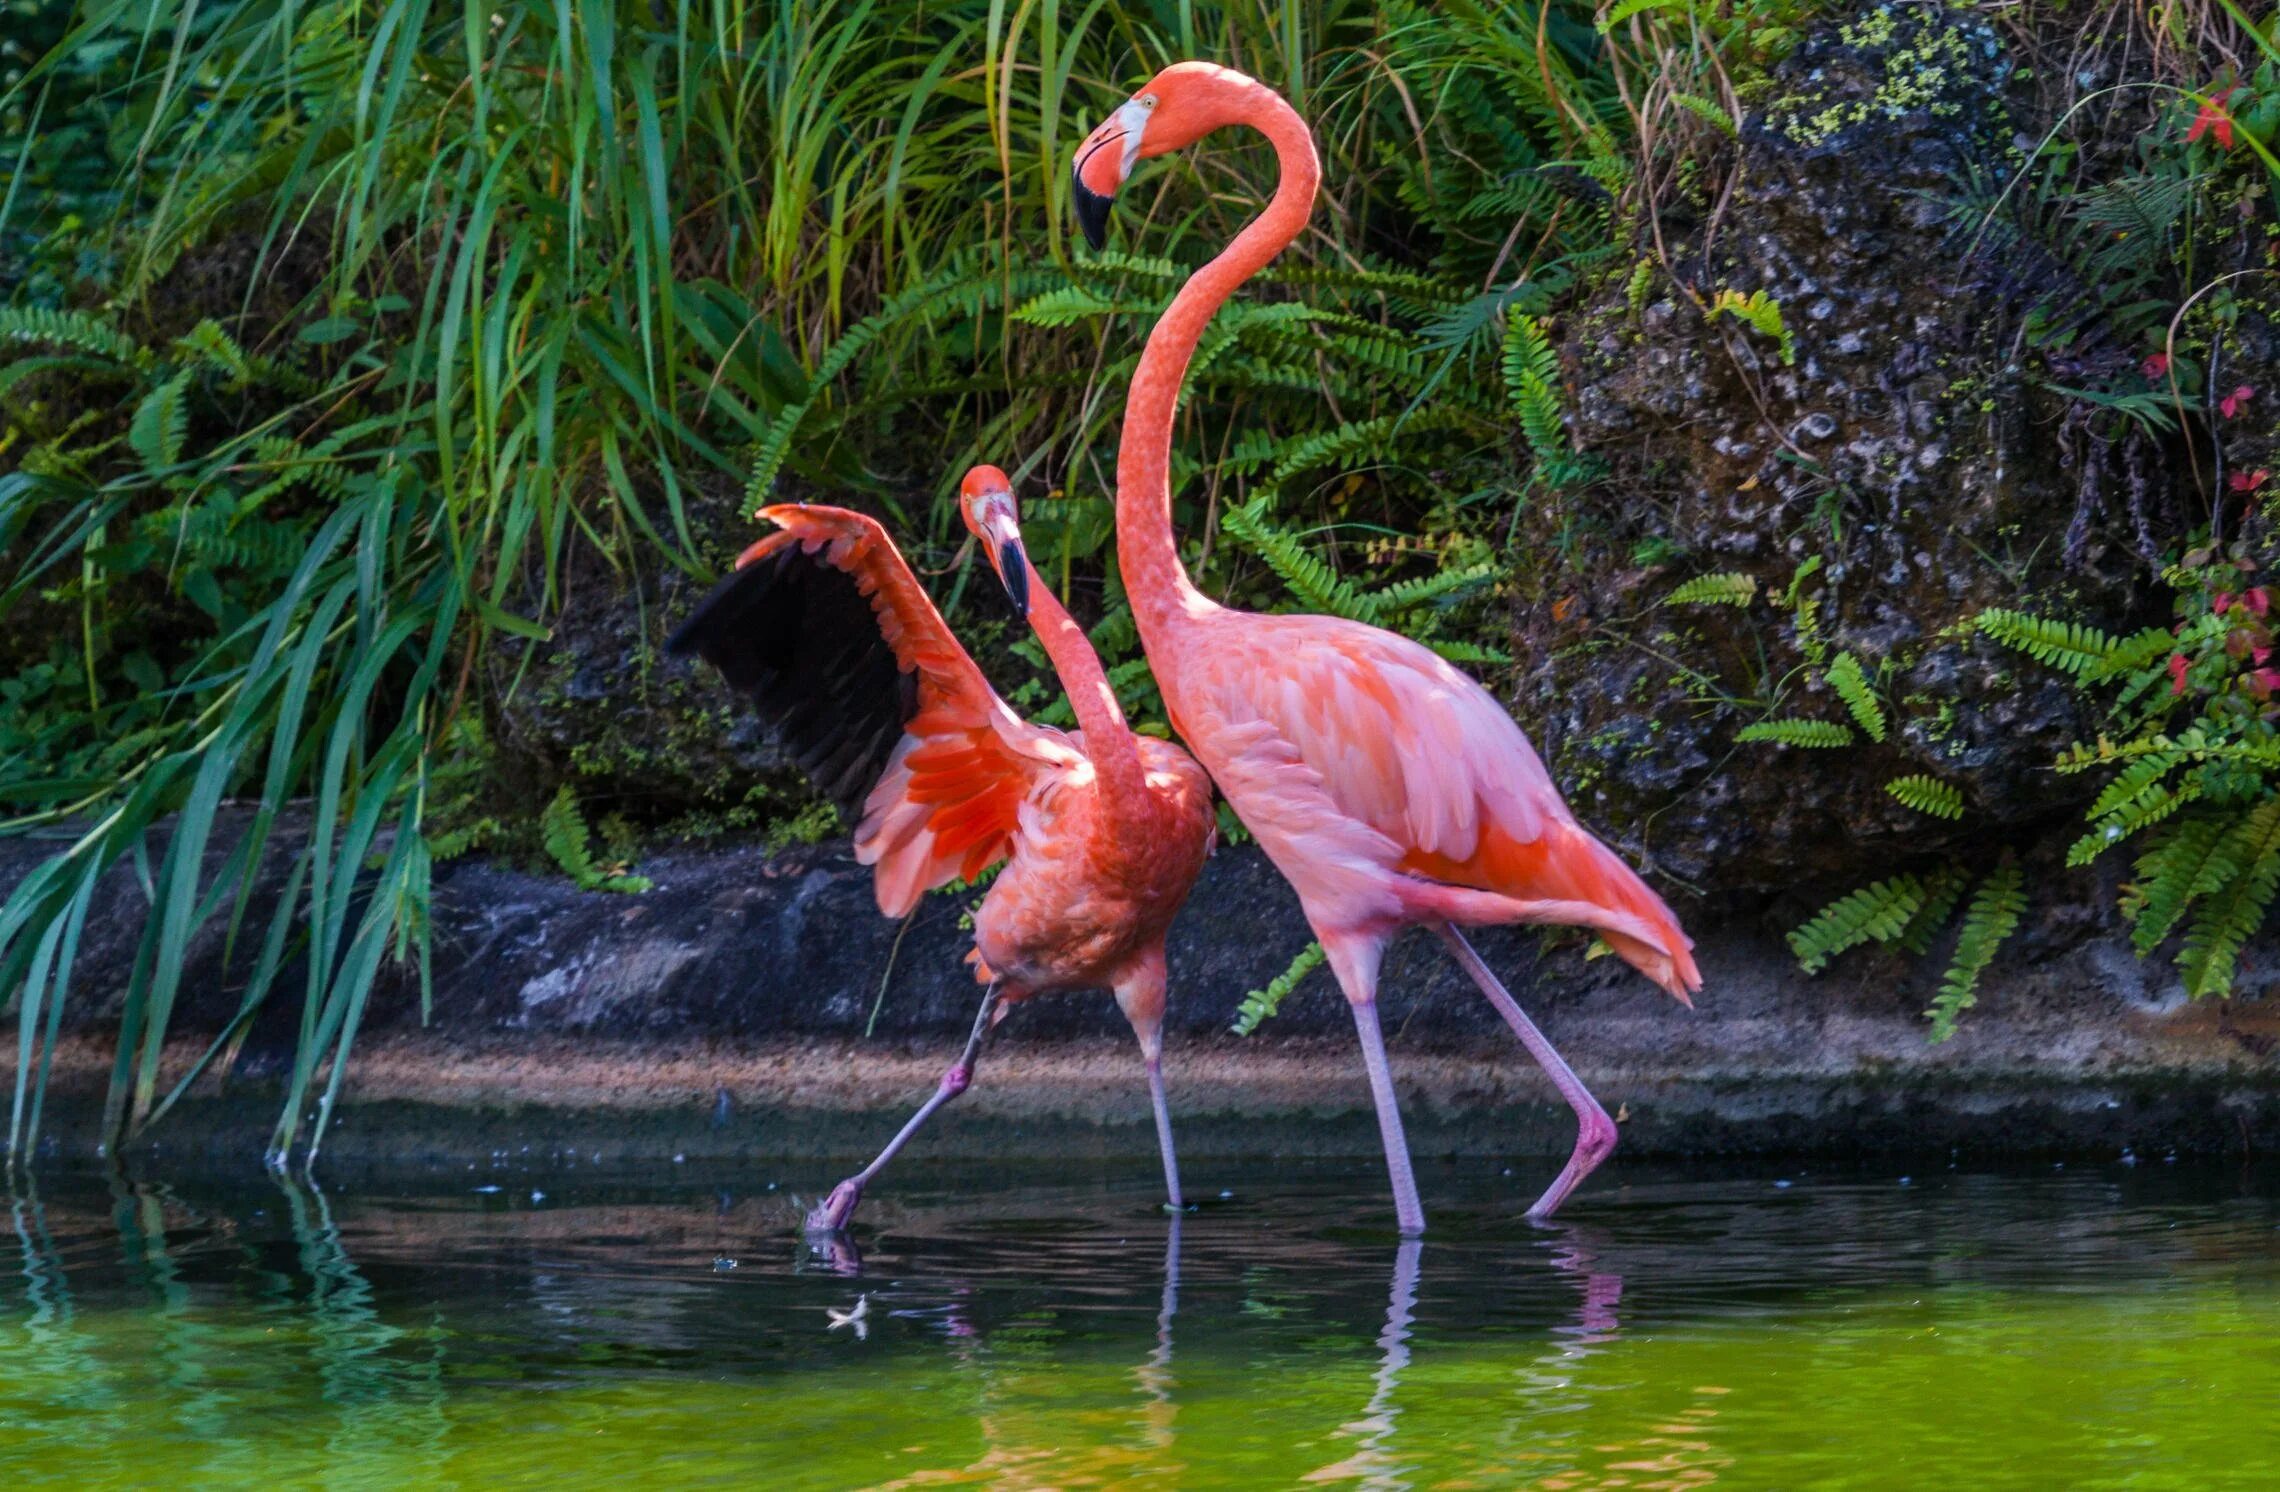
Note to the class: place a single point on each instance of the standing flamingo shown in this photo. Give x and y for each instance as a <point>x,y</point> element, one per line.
<point>1103,831</point>
<point>1389,788</point>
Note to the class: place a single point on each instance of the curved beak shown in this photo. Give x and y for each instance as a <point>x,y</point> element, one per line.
<point>1092,213</point>
<point>1102,164</point>
<point>1002,538</point>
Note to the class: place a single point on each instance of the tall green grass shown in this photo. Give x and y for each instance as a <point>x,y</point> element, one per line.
<point>517,275</point>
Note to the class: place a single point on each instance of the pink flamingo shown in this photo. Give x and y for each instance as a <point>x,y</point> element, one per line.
<point>1103,831</point>
<point>1389,788</point>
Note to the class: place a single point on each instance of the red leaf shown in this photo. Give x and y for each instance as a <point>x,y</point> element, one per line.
<point>2177,667</point>
<point>2234,402</point>
<point>2156,367</point>
<point>2247,481</point>
<point>2213,119</point>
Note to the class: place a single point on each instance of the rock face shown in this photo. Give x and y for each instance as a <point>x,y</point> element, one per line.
<point>1879,465</point>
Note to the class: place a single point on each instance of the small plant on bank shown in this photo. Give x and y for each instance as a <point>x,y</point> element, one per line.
<point>2191,763</point>
<point>563,830</point>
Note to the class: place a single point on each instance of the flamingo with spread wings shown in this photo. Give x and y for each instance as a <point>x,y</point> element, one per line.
<point>1390,789</point>
<point>1102,831</point>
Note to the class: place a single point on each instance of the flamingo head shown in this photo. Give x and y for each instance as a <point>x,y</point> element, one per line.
<point>1178,107</point>
<point>985,501</point>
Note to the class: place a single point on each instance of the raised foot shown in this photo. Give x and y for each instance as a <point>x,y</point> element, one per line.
<point>1595,1140</point>
<point>837,1209</point>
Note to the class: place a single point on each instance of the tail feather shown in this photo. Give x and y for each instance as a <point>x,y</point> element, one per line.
<point>1567,864</point>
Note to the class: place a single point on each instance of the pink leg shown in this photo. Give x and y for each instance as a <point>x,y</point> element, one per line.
<point>1595,1132</point>
<point>1164,1130</point>
<point>1355,963</point>
<point>840,1205</point>
<point>1408,1212</point>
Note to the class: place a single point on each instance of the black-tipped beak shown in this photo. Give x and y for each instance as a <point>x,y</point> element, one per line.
<point>1013,569</point>
<point>1092,214</point>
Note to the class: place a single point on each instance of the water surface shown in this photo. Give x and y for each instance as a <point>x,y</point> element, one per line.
<point>2081,1326</point>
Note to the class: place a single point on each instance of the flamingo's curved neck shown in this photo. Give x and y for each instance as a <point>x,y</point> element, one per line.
<point>1146,549</point>
<point>1108,739</point>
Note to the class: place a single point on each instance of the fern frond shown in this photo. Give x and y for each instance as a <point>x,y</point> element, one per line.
<point>1408,595</point>
<point>1851,684</point>
<point>78,330</point>
<point>1726,588</point>
<point>1812,734</point>
<point>1074,303</point>
<point>2068,646</point>
<point>1878,912</point>
<point>161,423</point>
<point>2138,651</point>
<point>2150,807</point>
<point>1532,379</point>
<point>2234,909</point>
<point>1261,1004</point>
<point>562,829</point>
<point>1993,916</point>
<point>1943,888</point>
<point>1469,652</point>
<point>1311,580</point>
<point>1761,313</point>
<point>2188,862</point>
<point>1927,794</point>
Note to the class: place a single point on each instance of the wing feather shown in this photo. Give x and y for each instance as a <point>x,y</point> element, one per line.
<point>844,656</point>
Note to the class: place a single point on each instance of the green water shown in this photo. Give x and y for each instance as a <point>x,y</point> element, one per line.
<point>2077,1327</point>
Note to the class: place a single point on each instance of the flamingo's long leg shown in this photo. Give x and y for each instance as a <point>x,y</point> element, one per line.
<point>836,1209</point>
<point>1595,1132</point>
<point>1164,1129</point>
<point>1407,1210</point>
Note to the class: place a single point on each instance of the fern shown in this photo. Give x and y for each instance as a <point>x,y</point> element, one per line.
<point>1851,684</point>
<point>562,829</point>
<point>1927,794</point>
<point>2184,865</point>
<point>1312,581</point>
<point>2248,858</point>
<point>1726,588</point>
<point>1993,916</point>
<point>1761,313</point>
<point>1879,912</point>
<point>1812,734</point>
<point>1469,652</point>
<point>1532,380</point>
<point>1942,890</point>
<point>1261,1004</point>
<point>161,423</point>
<point>77,330</point>
<point>2068,646</point>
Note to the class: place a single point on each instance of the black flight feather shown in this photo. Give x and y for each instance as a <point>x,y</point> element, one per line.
<point>798,638</point>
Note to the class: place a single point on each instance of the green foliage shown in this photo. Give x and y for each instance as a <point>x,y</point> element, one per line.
<point>1813,734</point>
<point>1927,794</point>
<point>1261,1004</point>
<point>1845,676</point>
<point>1761,313</point>
<point>1880,912</point>
<point>2069,646</point>
<point>1993,915</point>
<point>2193,758</point>
<point>1727,588</point>
<point>811,825</point>
<point>562,828</point>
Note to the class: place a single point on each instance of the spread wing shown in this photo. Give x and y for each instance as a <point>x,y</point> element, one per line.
<point>843,655</point>
<point>1384,751</point>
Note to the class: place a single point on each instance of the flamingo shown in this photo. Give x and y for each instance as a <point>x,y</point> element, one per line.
<point>1390,789</point>
<point>1102,831</point>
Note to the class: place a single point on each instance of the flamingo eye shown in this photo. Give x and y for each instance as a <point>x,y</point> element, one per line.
<point>1147,101</point>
